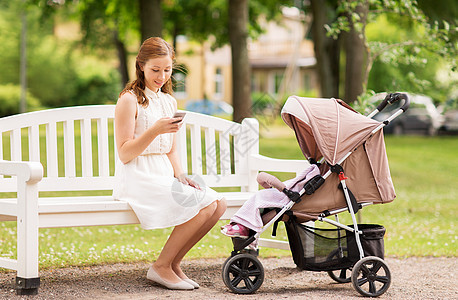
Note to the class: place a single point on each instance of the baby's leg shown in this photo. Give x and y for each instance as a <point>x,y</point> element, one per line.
<point>267,215</point>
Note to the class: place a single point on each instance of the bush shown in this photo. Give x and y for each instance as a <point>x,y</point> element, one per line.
<point>261,102</point>
<point>96,89</point>
<point>10,96</point>
<point>265,103</point>
<point>58,74</point>
<point>51,73</point>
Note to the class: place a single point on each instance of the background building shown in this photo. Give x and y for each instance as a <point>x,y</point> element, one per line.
<point>282,62</point>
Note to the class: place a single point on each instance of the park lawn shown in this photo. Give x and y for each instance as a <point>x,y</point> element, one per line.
<point>420,222</point>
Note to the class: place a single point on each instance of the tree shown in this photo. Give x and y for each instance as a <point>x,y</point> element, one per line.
<point>110,31</point>
<point>222,22</point>
<point>150,18</point>
<point>355,53</point>
<point>107,24</point>
<point>434,38</point>
<point>327,49</point>
<point>238,35</point>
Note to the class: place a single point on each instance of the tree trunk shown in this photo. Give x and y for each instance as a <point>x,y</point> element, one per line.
<point>150,18</point>
<point>356,59</point>
<point>327,50</point>
<point>23,63</point>
<point>241,70</point>
<point>122,58</point>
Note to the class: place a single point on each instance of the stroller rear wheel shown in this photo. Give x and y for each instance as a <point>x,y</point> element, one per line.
<point>243,273</point>
<point>371,276</point>
<point>342,275</point>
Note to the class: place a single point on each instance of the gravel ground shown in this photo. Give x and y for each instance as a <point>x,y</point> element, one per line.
<point>412,278</point>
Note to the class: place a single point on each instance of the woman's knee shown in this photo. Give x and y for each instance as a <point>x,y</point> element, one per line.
<point>209,210</point>
<point>216,208</point>
<point>221,206</point>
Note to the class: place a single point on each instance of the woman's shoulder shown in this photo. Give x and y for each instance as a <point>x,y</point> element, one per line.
<point>128,96</point>
<point>170,99</point>
<point>169,96</point>
<point>127,102</point>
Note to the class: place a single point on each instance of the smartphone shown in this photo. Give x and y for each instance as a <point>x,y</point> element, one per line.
<point>179,114</point>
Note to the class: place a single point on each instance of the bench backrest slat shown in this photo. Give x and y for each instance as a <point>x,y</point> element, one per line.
<point>34,143</point>
<point>103,147</point>
<point>69,148</point>
<point>86,147</point>
<point>51,150</point>
<point>182,150</point>
<point>240,154</point>
<point>1,150</point>
<point>196,150</point>
<point>210,150</point>
<point>16,145</point>
<point>225,153</point>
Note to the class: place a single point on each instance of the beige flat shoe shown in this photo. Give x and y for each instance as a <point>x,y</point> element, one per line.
<point>192,282</point>
<point>182,285</point>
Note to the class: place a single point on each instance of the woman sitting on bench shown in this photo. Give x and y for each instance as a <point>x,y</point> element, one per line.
<point>149,175</point>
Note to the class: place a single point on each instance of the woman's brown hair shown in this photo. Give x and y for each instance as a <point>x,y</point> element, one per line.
<point>153,47</point>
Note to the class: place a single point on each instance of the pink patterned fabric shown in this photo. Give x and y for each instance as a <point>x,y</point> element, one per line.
<point>248,215</point>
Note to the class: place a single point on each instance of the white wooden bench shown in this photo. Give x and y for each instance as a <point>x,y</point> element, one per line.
<point>70,150</point>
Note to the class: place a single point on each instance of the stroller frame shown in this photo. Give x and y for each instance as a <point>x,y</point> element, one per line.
<point>239,256</point>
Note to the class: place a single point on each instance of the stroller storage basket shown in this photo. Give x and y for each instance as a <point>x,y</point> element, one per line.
<point>371,241</point>
<point>319,249</point>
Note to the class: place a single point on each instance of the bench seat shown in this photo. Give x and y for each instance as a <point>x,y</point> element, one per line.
<point>75,211</point>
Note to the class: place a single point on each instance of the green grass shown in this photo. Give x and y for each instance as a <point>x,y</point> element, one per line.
<point>420,222</point>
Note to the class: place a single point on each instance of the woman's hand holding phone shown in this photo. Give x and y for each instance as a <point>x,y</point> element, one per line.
<point>180,115</point>
<point>169,125</point>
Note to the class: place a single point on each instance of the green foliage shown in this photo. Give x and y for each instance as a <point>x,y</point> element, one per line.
<point>363,104</point>
<point>404,47</point>
<point>199,20</point>
<point>407,66</point>
<point>266,104</point>
<point>58,74</point>
<point>10,96</point>
<point>101,19</point>
<point>50,73</point>
<point>262,102</point>
<point>96,83</point>
<point>96,89</point>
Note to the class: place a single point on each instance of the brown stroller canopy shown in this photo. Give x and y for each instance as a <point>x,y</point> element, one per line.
<point>329,128</point>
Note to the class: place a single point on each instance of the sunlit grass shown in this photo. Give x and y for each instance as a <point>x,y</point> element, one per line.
<point>420,222</point>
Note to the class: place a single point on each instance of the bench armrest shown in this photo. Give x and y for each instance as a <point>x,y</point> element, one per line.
<point>263,163</point>
<point>26,171</point>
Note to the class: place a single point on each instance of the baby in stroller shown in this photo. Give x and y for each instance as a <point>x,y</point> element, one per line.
<point>254,212</point>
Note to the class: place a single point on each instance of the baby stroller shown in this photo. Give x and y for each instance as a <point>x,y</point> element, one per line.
<point>350,152</point>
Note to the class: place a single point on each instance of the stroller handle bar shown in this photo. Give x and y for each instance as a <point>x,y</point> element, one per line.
<point>398,96</point>
<point>392,98</point>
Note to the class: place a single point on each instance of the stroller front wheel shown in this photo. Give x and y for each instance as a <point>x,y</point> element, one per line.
<point>243,273</point>
<point>371,277</point>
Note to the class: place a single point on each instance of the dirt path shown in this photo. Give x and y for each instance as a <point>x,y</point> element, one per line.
<point>412,278</point>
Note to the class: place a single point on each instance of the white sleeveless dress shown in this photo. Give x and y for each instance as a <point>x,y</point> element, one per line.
<point>147,182</point>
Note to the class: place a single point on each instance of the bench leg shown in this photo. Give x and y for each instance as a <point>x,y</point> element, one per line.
<point>27,286</point>
<point>27,280</point>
